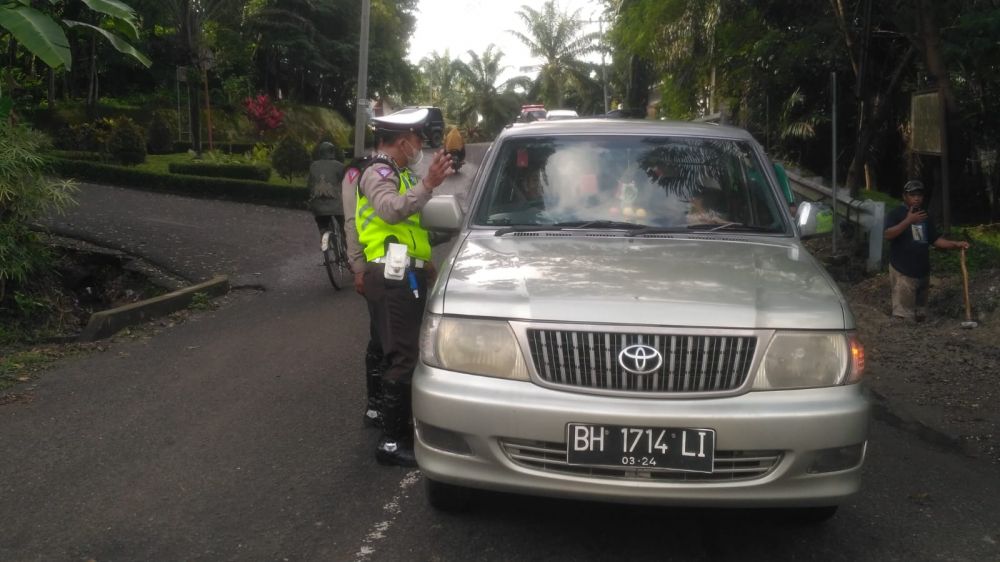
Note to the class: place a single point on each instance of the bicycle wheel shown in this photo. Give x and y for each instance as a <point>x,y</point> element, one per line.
<point>335,261</point>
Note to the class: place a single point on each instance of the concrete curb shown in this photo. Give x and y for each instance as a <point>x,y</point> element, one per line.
<point>107,322</point>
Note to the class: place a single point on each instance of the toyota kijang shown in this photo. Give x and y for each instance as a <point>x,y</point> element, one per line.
<point>629,314</point>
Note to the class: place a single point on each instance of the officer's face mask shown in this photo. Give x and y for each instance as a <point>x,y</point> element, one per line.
<point>415,157</point>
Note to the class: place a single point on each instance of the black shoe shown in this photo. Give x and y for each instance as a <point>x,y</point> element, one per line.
<point>395,453</point>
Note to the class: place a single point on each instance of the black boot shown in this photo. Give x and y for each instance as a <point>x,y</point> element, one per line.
<point>396,445</point>
<point>373,380</point>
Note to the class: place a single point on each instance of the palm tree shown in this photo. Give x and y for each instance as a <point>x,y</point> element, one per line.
<point>558,38</point>
<point>441,74</point>
<point>487,104</point>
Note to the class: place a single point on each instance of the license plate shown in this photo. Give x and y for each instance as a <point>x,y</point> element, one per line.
<point>671,448</point>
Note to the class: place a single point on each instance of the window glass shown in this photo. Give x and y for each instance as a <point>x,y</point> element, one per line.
<point>660,182</point>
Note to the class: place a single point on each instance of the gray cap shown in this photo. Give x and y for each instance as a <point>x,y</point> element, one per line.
<point>913,185</point>
<point>410,120</point>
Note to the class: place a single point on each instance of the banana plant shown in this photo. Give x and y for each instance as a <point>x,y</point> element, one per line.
<point>43,35</point>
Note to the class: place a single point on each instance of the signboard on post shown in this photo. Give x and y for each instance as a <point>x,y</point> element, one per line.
<point>925,119</point>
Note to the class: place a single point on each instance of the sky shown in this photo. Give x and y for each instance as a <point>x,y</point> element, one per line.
<point>461,25</point>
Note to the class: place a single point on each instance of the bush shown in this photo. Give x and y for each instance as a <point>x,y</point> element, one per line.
<point>127,143</point>
<point>89,137</point>
<point>25,195</point>
<point>80,155</point>
<point>162,132</point>
<point>290,158</point>
<point>218,188</point>
<point>233,171</point>
<point>227,147</point>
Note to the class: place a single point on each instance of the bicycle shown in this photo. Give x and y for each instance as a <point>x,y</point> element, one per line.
<point>334,247</point>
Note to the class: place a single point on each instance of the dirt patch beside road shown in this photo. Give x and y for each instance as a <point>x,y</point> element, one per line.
<point>944,376</point>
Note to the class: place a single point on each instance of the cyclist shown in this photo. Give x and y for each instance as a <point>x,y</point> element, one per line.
<point>325,174</point>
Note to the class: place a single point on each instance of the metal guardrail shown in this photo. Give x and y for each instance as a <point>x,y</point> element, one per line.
<point>869,215</point>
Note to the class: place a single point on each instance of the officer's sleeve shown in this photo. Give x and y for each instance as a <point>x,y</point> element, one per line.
<point>355,252</point>
<point>380,185</point>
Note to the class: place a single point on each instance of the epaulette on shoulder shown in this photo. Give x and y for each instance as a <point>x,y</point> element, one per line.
<point>357,168</point>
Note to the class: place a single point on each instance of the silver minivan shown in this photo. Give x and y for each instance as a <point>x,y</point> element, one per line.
<point>629,314</point>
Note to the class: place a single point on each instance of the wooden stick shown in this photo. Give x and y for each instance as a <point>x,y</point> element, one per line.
<point>965,286</point>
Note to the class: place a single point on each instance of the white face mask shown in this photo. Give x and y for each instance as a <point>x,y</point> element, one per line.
<point>414,158</point>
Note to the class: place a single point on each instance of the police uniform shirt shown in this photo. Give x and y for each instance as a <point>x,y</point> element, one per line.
<point>380,185</point>
<point>355,251</point>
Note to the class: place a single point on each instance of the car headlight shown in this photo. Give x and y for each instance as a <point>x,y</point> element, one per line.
<point>469,345</point>
<point>809,360</point>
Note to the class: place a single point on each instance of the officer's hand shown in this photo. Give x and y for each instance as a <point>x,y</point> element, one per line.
<point>439,169</point>
<point>359,282</point>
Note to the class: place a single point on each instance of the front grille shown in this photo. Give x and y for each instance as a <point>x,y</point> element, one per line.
<point>729,466</point>
<point>691,363</point>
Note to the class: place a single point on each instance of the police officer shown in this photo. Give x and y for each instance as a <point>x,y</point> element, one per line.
<point>356,257</point>
<point>398,265</point>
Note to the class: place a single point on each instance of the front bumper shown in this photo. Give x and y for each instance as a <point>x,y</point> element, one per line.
<point>468,427</point>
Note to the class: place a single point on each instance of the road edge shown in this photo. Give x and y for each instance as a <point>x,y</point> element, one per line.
<point>106,323</point>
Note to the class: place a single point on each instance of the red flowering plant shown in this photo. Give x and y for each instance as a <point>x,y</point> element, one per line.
<point>262,113</point>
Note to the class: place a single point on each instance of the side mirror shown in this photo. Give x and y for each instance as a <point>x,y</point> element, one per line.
<point>442,213</point>
<point>814,219</point>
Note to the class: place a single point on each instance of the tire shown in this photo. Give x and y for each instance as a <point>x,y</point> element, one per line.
<point>448,497</point>
<point>335,262</point>
<point>436,139</point>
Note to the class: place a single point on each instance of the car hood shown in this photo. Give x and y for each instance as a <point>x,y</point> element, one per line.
<point>710,281</point>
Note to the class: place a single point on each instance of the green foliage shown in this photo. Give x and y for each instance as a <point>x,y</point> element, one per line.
<point>162,132</point>
<point>88,137</point>
<point>201,302</point>
<point>19,366</point>
<point>25,195</point>
<point>162,181</point>
<point>127,143</point>
<point>290,158</point>
<point>41,34</point>
<point>234,171</point>
<point>983,253</point>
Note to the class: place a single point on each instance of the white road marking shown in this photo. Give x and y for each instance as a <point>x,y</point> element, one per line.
<point>392,510</point>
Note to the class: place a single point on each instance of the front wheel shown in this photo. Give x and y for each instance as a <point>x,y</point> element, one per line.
<point>338,269</point>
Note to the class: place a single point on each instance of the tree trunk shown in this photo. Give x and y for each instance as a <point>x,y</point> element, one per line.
<point>855,173</point>
<point>930,37</point>
<point>51,93</point>
<point>92,81</point>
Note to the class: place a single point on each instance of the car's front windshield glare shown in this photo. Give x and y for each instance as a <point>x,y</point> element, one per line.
<point>628,182</point>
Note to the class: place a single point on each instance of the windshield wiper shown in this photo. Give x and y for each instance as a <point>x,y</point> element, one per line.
<point>712,227</point>
<point>708,227</point>
<point>600,224</point>
<point>569,225</point>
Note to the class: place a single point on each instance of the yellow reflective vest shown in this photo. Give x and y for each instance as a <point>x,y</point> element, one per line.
<point>373,231</point>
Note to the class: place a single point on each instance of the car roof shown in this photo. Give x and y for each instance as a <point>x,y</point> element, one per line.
<point>604,126</point>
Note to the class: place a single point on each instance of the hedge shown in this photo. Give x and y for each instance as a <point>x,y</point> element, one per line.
<point>213,188</point>
<point>232,171</point>
<point>227,147</point>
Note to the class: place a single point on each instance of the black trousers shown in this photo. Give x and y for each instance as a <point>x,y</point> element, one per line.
<point>397,314</point>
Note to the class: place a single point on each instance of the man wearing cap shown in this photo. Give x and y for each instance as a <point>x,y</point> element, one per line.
<point>398,265</point>
<point>912,233</point>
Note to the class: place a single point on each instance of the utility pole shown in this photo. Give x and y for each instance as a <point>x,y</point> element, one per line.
<point>604,69</point>
<point>361,115</point>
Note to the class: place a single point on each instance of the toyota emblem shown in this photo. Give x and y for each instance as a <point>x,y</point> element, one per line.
<point>640,359</point>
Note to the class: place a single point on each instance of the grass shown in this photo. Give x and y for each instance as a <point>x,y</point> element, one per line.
<point>19,366</point>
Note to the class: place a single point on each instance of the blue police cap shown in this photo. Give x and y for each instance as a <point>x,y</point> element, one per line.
<point>409,120</point>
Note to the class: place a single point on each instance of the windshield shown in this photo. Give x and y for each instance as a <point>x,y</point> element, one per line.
<point>629,182</point>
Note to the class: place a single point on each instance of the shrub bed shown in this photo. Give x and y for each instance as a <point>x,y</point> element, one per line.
<point>228,147</point>
<point>232,171</point>
<point>216,188</point>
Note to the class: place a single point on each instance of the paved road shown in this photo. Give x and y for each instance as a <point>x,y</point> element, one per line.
<point>236,435</point>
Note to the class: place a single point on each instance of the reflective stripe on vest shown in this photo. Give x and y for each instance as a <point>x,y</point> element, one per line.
<point>373,231</point>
